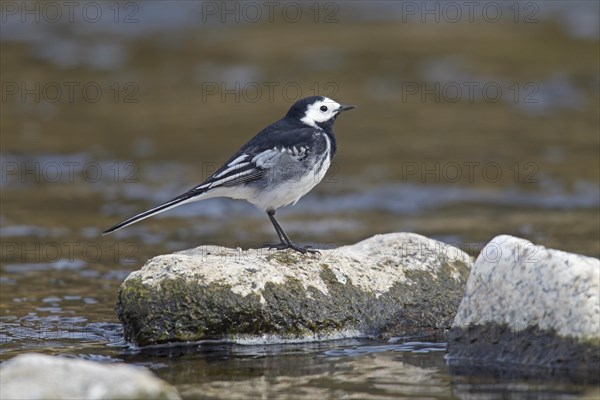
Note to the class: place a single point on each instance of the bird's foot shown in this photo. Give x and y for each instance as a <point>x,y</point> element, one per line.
<point>293,246</point>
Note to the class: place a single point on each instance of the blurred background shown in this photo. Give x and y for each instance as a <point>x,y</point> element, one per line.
<point>474,119</point>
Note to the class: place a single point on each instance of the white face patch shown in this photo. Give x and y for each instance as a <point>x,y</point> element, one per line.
<point>320,111</point>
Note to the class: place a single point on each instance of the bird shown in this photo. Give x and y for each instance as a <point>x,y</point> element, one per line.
<point>275,168</point>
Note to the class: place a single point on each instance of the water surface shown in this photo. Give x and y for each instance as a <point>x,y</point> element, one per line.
<point>460,167</point>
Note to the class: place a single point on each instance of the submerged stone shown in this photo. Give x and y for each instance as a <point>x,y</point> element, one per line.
<point>398,284</point>
<point>526,306</point>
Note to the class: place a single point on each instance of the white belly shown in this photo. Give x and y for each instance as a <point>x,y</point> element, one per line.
<point>288,192</point>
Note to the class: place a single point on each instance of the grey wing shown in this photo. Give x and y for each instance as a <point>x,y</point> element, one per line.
<point>238,171</point>
<point>251,166</point>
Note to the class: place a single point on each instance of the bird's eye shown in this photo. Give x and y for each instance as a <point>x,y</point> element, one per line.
<point>323,108</point>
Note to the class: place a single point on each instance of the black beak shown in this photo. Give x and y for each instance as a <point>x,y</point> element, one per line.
<point>345,108</point>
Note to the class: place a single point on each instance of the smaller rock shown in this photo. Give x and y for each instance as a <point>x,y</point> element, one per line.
<point>38,376</point>
<point>528,305</point>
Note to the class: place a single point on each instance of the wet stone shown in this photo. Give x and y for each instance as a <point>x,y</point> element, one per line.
<point>392,285</point>
<point>38,376</point>
<point>527,306</point>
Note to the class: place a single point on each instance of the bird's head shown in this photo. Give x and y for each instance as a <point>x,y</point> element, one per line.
<point>317,111</point>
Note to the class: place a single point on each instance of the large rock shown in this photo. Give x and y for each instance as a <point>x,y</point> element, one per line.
<point>529,305</point>
<point>36,376</point>
<point>389,285</point>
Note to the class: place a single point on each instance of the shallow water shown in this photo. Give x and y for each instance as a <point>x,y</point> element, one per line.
<point>412,157</point>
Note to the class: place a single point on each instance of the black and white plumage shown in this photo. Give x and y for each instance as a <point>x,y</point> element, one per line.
<point>276,168</point>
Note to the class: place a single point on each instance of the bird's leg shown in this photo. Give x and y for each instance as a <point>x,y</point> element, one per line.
<point>285,243</point>
<point>282,236</point>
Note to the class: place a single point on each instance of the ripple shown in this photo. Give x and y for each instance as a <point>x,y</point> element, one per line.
<point>62,264</point>
<point>408,347</point>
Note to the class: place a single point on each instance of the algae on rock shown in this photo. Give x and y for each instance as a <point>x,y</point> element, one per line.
<point>397,284</point>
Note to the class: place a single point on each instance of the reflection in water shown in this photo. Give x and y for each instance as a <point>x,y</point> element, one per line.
<point>343,369</point>
<point>367,377</point>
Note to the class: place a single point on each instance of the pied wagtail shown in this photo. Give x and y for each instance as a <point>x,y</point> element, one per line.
<point>277,167</point>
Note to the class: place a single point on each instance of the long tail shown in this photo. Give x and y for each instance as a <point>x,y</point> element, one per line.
<point>177,201</point>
